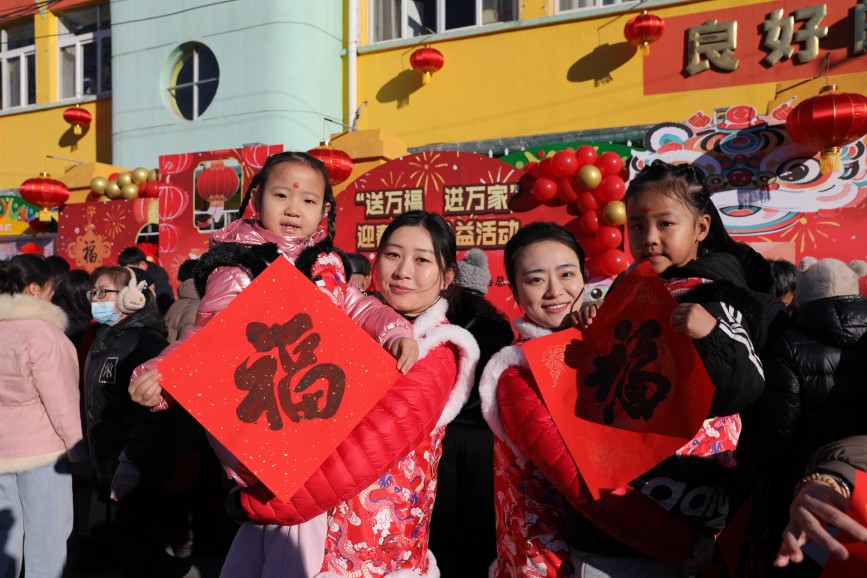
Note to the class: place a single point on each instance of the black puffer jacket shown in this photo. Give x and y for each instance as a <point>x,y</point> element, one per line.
<point>114,422</point>
<point>815,393</point>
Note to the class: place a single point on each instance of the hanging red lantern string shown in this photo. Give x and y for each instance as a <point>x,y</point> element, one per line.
<point>827,122</point>
<point>426,60</point>
<point>78,118</point>
<point>337,163</point>
<point>44,192</point>
<point>643,30</point>
<point>217,184</point>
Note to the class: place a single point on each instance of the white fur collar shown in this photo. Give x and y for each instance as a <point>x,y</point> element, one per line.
<point>431,330</point>
<point>529,330</point>
<point>21,306</point>
<point>512,356</point>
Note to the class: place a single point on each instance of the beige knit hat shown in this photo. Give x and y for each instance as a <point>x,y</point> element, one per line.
<point>827,278</point>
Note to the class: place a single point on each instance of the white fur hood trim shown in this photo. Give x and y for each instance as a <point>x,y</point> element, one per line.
<point>529,330</point>
<point>511,356</point>
<point>431,332</point>
<point>21,306</point>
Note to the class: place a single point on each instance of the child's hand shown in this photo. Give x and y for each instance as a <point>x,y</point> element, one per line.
<point>405,351</point>
<point>584,316</point>
<point>146,390</point>
<point>693,320</point>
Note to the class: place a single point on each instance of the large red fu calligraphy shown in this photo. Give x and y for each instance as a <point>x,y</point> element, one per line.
<point>628,393</point>
<point>280,377</point>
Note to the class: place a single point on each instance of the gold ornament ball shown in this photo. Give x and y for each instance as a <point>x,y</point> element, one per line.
<point>129,191</point>
<point>112,190</point>
<point>124,179</point>
<point>103,199</point>
<point>154,175</point>
<point>590,176</point>
<point>140,175</point>
<point>614,213</point>
<point>98,184</point>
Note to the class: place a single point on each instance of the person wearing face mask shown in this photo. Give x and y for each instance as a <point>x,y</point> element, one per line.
<point>130,447</point>
<point>40,429</point>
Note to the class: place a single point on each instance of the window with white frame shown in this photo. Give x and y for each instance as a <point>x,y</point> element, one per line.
<point>84,42</point>
<point>193,79</point>
<point>393,19</point>
<point>17,66</point>
<point>569,5</point>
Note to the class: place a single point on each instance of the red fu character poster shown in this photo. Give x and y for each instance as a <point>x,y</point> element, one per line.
<point>280,377</point>
<point>631,391</point>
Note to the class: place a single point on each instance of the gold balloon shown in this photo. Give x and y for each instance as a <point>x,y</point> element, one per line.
<point>154,175</point>
<point>140,175</point>
<point>112,190</point>
<point>98,184</point>
<point>129,191</point>
<point>103,199</point>
<point>124,179</point>
<point>590,176</point>
<point>614,213</point>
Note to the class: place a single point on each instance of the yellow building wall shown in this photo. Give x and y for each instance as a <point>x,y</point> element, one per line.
<point>29,138</point>
<point>528,80</point>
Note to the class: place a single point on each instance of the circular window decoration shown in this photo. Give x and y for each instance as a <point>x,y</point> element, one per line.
<point>193,79</point>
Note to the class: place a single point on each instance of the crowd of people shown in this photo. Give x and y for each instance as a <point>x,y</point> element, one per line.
<point>459,470</point>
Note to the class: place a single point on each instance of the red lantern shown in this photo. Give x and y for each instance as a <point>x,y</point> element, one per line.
<point>643,30</point>
<point>217,184</point>
<point>78,118</point>
<point>426,60</point>
<point>827,122</point>
<point>337,163</point>
<point>44,192</point>
<point>32,249</point>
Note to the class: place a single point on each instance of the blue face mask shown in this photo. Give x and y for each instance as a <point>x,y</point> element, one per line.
<point>104,312</point>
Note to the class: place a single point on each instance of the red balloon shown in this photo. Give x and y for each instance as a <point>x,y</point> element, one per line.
<point>565,192</point>
<point>545,171</point>
<point>564,164</point>
<point>589,222</point>
<point>586,202</point>
<point>608,238</point>
<point>612,188</point>
<point>113,176</point>
<point>532,169</point>
<point>586,155</point>
<point>609,163</point>
<point>612,262</point>
<point>544,189</point>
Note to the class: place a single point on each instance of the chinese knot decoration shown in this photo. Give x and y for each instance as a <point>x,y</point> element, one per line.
<point>44,192</point>
<point>643,30</point>
<point>426,60</point>
<point>78,118</point>
<point>337,163</point>
<point>827,122</point>
<point>217,184</point>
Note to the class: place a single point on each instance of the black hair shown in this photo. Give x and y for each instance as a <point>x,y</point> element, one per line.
<point>257,183</point>
<point>22,270</point>
<point>686,183</point>
<point>58,265</point>
<point>360,265</point>
<point>785,275</point>
<point>185,271</point>
<point>442,237</point>
<point>70,294</point>
<point>536,233</point>
<point>131,256</point>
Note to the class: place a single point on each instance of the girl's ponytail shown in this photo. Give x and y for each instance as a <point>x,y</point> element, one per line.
<point>254,182</point>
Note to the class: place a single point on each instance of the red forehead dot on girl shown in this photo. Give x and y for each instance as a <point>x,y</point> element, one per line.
<point>296,185</point>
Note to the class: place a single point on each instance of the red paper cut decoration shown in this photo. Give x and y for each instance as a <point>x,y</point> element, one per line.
<point>337,163</point>
<point>426,60</point>
<point>827,122</point>
<point>283,390</point>
<point>630,392</point>
<point>32,249</point>
<point>643,30</point>
<point>78,117</point>
<point>217,184</point>
<point>44,192</point>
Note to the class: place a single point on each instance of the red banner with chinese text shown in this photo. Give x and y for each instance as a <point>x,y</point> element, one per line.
<point>272,378</point>
<point>628,393</point>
